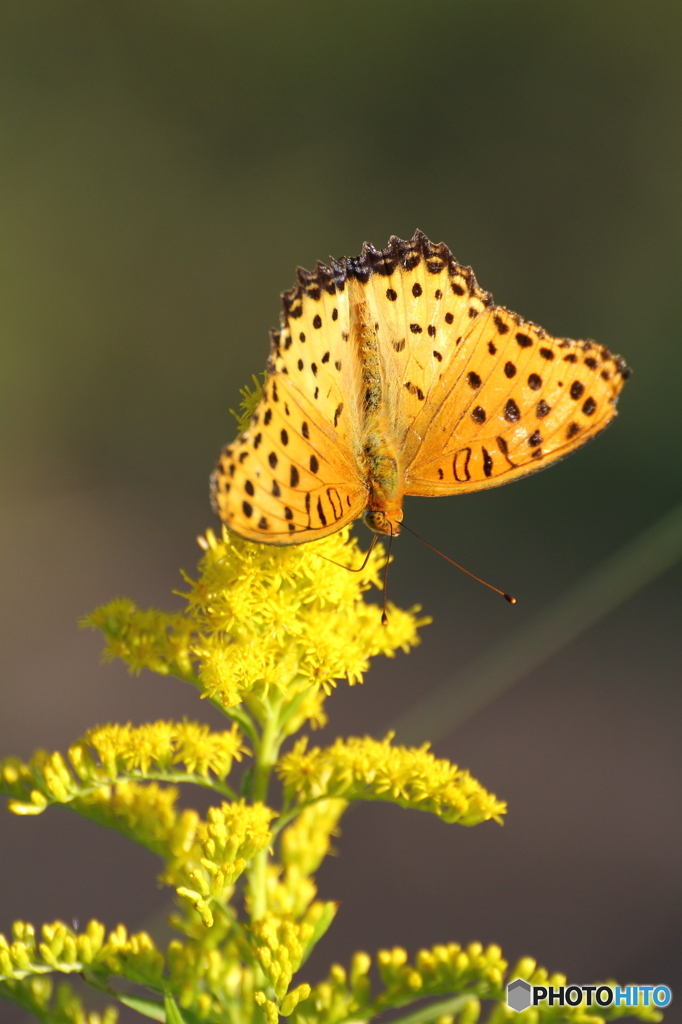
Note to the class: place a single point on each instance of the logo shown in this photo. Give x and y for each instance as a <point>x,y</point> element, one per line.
<point>521,994</point>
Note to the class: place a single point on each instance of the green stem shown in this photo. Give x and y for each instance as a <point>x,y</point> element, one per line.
<point>428,1013</point>
<point>235,714</point>
<point>295,704</point>
<point>172,777</point>
<point>289,813</point>
<point>266,752</point>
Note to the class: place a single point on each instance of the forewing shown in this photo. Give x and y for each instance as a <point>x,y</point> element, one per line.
<point>512,401</point>
<point>294,475</point>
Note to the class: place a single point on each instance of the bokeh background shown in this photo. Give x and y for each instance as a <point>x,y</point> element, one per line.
<point>165,166</point>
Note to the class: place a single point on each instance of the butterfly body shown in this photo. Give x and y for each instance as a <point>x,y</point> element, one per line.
<point>394,374</point>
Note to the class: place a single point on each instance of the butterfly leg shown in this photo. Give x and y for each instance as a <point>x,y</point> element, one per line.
<point>384,616</point>
<point>375,538</point>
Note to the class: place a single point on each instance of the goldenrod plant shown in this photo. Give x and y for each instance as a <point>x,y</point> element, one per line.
<point>266,634</point>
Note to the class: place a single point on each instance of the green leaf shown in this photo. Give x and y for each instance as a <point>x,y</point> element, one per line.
<point>247,782</point>
<point>326,918</point>
<point>427,1013</point>
<point>147,1007</point>
<point>173,1015</point>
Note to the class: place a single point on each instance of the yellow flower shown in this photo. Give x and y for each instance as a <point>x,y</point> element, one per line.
<point>161,745</point>
<point>289,618</point>
<point>143,639</point>
<point>262,618</point>
<point>303,847</point>
<point>368,769</point>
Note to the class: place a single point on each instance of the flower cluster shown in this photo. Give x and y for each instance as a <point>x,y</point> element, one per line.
<point>38,996</point>
<point>261,617</point>
<point>266,633</point>
<point>203,858</point>
<point>118,753</point>
<point>279,945</point>
<point>124,749</point>
<point>367,769</point>
<point>470,974</point>
<point>144,638</point>
<point>303,847</point>
<point>227,841</point>
<point>62,949</point>
<point>211,978</point>
<point>292,619</point>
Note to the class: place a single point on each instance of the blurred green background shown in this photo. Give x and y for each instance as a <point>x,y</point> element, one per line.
<point>164,168</point>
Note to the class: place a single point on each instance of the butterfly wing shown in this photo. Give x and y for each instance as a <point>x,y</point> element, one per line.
<point>512,400</point>
<point>423,303</point>
<point>294,475</point>
<point>471,395</point>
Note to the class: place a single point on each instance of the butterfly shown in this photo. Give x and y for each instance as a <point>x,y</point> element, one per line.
<point>394,374</point>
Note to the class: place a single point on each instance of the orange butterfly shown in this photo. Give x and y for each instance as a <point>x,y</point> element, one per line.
<point>394,374</point>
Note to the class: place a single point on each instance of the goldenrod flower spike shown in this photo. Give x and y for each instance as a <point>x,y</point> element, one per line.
<point>144,639</point>
<point>118,754</point>
<point>267,632</point>
<point>368,769</point>
<point>288,619</point>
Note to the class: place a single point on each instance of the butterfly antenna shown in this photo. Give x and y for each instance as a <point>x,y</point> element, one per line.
<point>370,549</point>
<point>507,597</point>
<point>384,616</point>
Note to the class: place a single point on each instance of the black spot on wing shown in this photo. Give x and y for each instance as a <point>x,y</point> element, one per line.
<point>512,413</point>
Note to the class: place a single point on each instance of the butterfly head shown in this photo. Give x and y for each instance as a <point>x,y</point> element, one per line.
<point>381,521</point>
